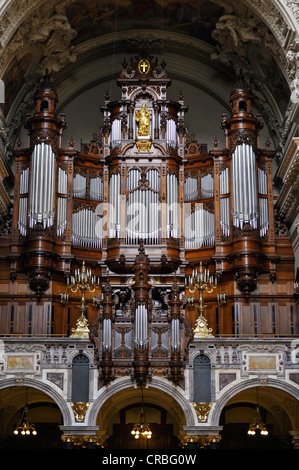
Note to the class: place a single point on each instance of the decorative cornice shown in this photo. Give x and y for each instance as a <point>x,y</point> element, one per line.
<point>290,160</point>
<point>288,199</point>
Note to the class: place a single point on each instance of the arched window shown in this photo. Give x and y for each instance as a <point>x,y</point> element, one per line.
<point>242,106</point>
<point>44,106</point>
<point>202,379</point>
<point>80,379</point>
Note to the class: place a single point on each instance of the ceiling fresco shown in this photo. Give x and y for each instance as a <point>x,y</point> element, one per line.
<point>195,18</point>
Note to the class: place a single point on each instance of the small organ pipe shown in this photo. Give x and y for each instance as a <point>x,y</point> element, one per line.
<point>61,202</point>
<point>224,203</point>
<point>116,133</point>
<point>96,189</point>
<point>79,186</point>
<point>175,334</point>
<point>114,200</point>
<point>172,214</point>
<point>207,186</point>
<point>143,207</point>
<point>107,342</point>
<point>87,229</point>
<point>23,202</point>
<point>263,202</point>
<point>199,228</point>
<point>141,327</point>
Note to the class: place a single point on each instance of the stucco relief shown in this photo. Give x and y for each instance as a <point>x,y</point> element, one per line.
<point>49,31</point>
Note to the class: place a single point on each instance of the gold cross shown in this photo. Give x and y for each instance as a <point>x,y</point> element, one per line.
<point>143,66</point>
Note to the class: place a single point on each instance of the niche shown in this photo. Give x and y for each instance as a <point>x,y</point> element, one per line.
<point>242,106</point>
<point>80,379</point>
<point>44,106</point>
<point>202,379</point>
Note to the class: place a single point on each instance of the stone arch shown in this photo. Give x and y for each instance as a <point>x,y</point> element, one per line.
<point>252,383</point>
<point>45,388</point>
<point>157,384</point>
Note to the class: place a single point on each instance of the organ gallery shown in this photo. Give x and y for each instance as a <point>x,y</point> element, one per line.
<point>144,187</point>
<point>146,263</point>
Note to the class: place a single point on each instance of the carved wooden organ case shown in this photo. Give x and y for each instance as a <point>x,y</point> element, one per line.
<point>142,204</point>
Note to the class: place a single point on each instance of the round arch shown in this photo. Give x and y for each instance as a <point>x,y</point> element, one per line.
<point>248,384</point>
<point>45,388</point>
<point>159,392</point>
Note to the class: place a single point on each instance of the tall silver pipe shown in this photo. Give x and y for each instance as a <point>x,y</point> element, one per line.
<point>42,186</point>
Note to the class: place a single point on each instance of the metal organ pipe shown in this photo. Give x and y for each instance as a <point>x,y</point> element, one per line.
<point>190,189</point>
<point>171,136</point>
<point>143,209</point>
<point>116,133</point>
<point>199,228</point>
<point>107,335</point>
<point>172,200</point>
<point>61,202</point>
<point>42,186</point>
<point>23,202</point>
<point>224,202</point>
<point>96,189</point>
<point>79,186</point>
<point>199,225</point>
<point>244,186</point>
<point>175,334</point>
<point>263,202</point>
<point>114,206</point>
<point>141,327</point>
<point>24,177</point>
<point>207,186</point>
<point>87,229</point>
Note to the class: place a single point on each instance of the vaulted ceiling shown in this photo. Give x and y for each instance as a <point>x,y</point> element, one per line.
<point>205,44</point>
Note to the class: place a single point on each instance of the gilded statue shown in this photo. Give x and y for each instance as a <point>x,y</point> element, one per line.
<point>143,117</point>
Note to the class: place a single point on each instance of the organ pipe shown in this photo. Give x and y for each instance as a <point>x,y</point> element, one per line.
<point>175,334</point>
<point>79,186</point>
<point>24,177</point>
<point>22,218</point>
<point>244,187</point>
<point>87,229</point>
<point>199,228</point>
<point>107,335</point>
<point>116,133</point>
<point>143,219</point>
<point>224,202</point>
<point>114,206</point>
<point>96,189</point>
<point>171,133</point>
<point>141,327</point>
<point>263,202</point>
<point>172,200</point>
<point>207,186</point>
<point>42,186</point>
<point>61,202</point>
<point>23,202</point>
<point>190,189</point>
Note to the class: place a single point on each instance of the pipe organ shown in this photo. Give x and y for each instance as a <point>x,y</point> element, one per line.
<point>143,204</point>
